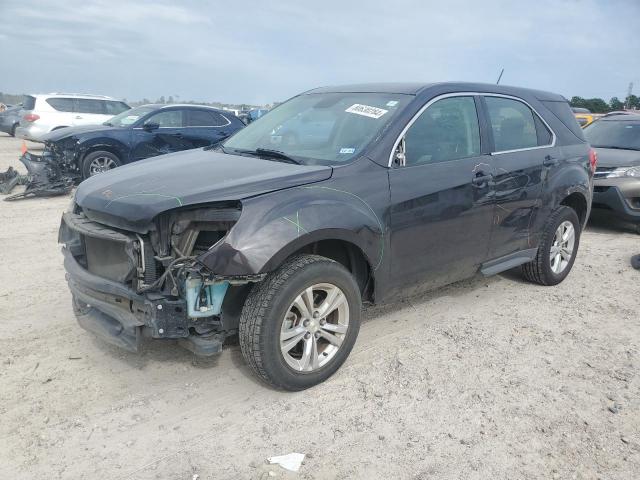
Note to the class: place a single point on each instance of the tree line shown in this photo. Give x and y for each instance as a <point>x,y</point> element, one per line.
<point>598,105</point>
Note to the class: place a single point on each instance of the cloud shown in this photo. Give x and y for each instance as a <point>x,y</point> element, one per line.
<point>255,51</point>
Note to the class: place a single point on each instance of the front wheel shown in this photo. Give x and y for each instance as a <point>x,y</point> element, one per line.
<point>557,249</point>
<point>299,325</point>
<point>99,162</point>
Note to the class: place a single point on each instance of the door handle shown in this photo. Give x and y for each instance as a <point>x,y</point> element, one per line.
<point>78,117</point>
<point>481,179</point>
<point>179,135</point>
<point>550,161</point>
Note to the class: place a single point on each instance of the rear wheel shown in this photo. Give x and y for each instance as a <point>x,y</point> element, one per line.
<point>13,130</point>
<point>99,162</point>
<point>299,325</point>
<point>557,250</point>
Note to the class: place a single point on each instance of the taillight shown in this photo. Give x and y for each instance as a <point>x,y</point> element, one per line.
<point>593,159</point>
<point>31,117</point>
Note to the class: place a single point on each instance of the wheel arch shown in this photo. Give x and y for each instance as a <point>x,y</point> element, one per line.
<point>578,202</point>
<point>336,245</point>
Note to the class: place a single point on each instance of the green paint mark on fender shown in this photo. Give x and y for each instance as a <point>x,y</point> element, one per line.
<point>370,209</point>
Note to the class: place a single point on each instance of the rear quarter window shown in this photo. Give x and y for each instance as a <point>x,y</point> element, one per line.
<point>28,102</point>
<point>563,111</point>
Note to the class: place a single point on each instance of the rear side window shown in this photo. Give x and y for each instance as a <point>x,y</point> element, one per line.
<point>562,110</point>
<point>203,118</point>
<point>28,102</point>
<point>446,130</point>
<point>61,104</point>
<point>114,108</point>
<point>87,105</point>
<point>512,123</point>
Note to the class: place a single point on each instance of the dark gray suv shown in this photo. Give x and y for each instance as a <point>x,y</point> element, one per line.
<point>338,196</point>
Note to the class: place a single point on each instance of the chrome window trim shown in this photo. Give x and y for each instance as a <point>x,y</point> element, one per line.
<point>198,126</point>
<point>473,94</point>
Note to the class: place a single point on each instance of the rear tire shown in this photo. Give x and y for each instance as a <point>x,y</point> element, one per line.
<point>98,162</point>
<point>299,324</point>
<point>13,130</point>
<point>556,254</point>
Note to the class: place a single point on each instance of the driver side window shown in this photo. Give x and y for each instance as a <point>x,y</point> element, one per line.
<point>446,130</point>
<point>167,119</point>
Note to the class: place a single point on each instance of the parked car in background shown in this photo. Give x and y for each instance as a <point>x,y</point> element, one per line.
<point>44,113</point>
<point>254,114</point>
<point>10,119</point>
<point>135,134</point>
<point>377,190</point>
<point>616,139</point>
<point>583,116</point>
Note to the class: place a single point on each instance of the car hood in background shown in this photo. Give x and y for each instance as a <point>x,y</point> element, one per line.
<point>74,131</point>
<point>612,157</point>
<point>134,194</point>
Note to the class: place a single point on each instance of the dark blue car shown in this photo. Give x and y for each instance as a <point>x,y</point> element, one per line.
<point>139,133</point>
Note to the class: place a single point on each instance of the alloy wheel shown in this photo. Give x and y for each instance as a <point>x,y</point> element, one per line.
<point>314,327</point>
<point>100,165</point>
<point>562,247</point>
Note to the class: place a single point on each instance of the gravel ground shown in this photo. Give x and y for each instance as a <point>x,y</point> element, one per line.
<point>485,379</point>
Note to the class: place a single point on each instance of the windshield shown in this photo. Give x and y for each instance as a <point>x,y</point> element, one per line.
<point>129,117</point>
<point>324,128</point>
<point>616,134</point>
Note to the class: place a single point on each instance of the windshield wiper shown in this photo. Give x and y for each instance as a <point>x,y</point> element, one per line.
<point>108,124</point>
<point>268,153</point>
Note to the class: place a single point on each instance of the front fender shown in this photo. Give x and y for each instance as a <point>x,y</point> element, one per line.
<point>109,144</point>
<point>274,226</point>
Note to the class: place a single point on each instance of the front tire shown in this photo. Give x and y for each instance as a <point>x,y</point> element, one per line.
<point>299,324</point>
<point>13,130</point>
<point>98,162</point>
<point>557,249</point>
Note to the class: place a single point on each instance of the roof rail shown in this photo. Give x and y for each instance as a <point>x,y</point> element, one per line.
<point>79,94</point>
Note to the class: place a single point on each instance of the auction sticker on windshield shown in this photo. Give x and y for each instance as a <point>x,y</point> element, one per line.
<point>366,110</point>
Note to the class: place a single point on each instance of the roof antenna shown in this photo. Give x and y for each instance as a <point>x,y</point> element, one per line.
<point>500,76</point>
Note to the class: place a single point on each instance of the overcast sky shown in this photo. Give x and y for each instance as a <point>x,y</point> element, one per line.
<point>257,52</point>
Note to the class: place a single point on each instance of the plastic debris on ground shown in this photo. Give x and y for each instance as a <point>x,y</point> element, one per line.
<point>291,461</point>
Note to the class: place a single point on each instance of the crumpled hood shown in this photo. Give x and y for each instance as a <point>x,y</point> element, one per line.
<point>612,157</point>
<point>138,192</point>
<point>73,131</point>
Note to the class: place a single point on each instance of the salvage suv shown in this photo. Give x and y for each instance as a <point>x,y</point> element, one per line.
<point>280,239</point>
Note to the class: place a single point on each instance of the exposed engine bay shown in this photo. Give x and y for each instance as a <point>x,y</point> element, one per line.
<point>154,284</point>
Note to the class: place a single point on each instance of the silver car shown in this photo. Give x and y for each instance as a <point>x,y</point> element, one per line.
<point>44,113</point>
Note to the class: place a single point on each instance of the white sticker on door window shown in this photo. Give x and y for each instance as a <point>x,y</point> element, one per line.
<point>366,110</point>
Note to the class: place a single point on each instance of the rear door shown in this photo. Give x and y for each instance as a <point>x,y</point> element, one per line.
<point>522,147</point>
<point>205,127</point>
<point>442,208</point>
<point>88,111</point>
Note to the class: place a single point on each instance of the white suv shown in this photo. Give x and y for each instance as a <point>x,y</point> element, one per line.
<point>44,113</point>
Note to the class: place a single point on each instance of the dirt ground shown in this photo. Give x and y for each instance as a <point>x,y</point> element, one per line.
<point>485,379</point>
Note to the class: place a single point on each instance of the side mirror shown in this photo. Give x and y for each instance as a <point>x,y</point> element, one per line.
<point>151,126</point>
<point>399,158</point>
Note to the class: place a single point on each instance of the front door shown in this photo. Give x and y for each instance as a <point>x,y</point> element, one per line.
<point>161,133</point>
<point>441,198</point>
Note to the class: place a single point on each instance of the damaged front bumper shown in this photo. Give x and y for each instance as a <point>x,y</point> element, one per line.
<point>107,299</point>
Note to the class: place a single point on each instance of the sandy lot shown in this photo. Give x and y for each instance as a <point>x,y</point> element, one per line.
<point>485,379</point>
